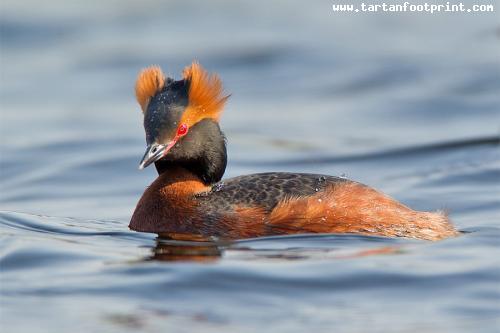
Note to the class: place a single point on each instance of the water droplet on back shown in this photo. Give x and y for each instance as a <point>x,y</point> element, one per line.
<point>217,187</point>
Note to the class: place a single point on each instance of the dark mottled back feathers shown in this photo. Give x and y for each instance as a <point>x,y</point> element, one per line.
<point>263,190</point>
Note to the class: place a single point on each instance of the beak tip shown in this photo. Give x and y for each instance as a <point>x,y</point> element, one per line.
<point>154,152</point>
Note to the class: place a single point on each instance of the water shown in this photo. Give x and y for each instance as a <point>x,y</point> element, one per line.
<point>406,103</point>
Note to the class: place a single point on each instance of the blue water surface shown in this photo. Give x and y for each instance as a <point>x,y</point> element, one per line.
<point>407,103</point>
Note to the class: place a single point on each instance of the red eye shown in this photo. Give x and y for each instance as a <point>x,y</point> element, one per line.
<point>182,130</point>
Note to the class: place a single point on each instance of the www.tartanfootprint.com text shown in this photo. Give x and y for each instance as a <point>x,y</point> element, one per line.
<point>407,6</point>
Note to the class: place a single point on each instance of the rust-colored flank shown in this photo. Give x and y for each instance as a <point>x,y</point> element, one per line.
<point>190,201</point>
<point>356,208</point>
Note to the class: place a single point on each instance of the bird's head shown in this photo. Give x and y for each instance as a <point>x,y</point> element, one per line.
<point>180,117</point>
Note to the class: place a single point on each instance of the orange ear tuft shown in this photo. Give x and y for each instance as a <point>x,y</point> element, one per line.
<point>149,82</point>
<point>206,94</point>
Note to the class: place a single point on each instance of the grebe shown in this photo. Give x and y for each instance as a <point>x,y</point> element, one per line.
<point>189,200</point>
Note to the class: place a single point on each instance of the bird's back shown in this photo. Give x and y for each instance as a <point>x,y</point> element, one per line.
<point>285,203</point>
<point>264,190</point>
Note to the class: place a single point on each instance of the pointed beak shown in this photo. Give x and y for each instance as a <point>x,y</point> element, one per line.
<point>154,152</point>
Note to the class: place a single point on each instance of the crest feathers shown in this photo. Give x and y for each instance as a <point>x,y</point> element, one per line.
<point>149,82</point>
<point>206,93</point>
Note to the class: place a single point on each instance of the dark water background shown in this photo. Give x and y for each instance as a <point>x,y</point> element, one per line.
<point>407,103</point>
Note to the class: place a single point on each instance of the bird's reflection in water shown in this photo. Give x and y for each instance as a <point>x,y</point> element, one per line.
<point>176,250</point>
<point>168,249</point>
